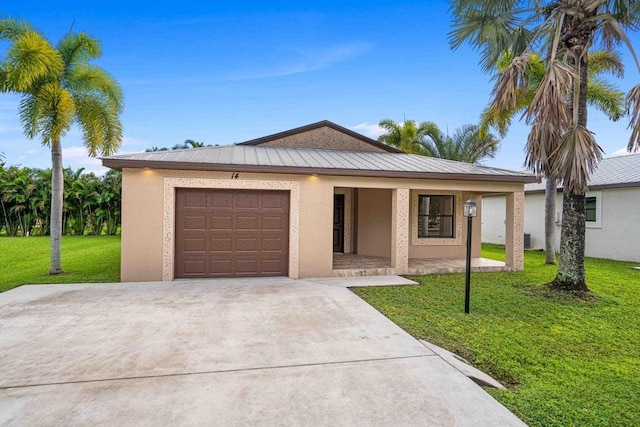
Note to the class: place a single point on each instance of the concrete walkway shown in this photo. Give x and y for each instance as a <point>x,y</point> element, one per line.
<point>223,352</point>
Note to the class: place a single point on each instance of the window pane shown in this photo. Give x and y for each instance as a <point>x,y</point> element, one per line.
<point>435,216</point>
<point>591,209</point>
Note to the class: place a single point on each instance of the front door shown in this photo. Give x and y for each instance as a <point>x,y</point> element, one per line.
<point>338,223</point>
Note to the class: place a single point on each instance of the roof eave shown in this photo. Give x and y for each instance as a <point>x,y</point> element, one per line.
<point>592,187</point>
<point>115,163</point>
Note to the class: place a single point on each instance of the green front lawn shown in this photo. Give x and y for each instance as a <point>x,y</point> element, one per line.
<point>567,362</point>
<point>25,260</point>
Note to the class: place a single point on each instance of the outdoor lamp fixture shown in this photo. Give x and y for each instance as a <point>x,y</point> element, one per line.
<point>470,210</point>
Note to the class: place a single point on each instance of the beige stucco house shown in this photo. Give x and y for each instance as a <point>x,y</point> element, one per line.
<point>315,201</point>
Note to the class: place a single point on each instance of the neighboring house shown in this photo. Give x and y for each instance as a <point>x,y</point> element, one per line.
<point>612,226</point>
<point>292,203</point>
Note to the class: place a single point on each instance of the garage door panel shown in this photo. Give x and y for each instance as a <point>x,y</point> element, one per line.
<point>274,223</point>
<point>247,266</point>
<point>220,267</point>
<point>195,244</point>
<point>195,200</point>
<point>219,201</point>
<point>272,244</point>
<point>248,223</point>
<point>271,266</point>
<point>195,267</point>
<point>195,222</point>
<point>248,201</point>
<point>221,223</point>
<point>223,244</point>
<point>273,204</point>
<point>243,245</point>
<point>246,233</point>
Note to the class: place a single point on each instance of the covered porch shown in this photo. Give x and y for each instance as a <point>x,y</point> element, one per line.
<point>417,231</point>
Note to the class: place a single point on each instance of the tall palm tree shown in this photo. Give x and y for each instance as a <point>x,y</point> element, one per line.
<point>467,144</point>
<point>601,94</point>
<point>59,87</point>
<point>559,143</point>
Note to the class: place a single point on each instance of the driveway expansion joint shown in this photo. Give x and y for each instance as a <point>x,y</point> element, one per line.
<point>220,371</point>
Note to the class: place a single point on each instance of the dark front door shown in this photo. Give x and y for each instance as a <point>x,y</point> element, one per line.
<point>338,223</point>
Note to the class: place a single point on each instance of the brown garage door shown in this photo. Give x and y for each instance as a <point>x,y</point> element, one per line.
<point>231,233</point>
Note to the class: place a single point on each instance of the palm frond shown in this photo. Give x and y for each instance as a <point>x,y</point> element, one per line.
<point>87,79</point>
<point>11,29</point>
<point>605,97</point>
<point>78,48</point>
<point>29,59</point>
<point>606,61</point>
<point>550,101</point>
<point>511,82</point>
<point>57,112</point>
<point>101,128</point>
<point>541,143</point>
<point>493,28</point>
<point>575,158</point>
<point>633,109</point>
<point>613,34</point>
<point>30,111</point>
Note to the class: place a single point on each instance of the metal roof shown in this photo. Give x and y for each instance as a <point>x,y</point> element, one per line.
<point>306,160</point>
<point>623,171</point>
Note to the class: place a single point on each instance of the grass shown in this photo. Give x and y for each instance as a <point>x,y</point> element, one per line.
<point>566,361</point>
<point>25,260</point>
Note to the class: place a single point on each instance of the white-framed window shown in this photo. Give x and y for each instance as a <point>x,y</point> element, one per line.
<point>593,209</point>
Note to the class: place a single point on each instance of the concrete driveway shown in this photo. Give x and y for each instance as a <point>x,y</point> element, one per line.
<point>223,352</point>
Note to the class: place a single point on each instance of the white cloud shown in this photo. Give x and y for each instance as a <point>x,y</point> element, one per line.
<point>373,131</point>
<point>620,152</point>
<point>316,59</point>
<point>132,142</point>
<point>32,151</point>
<point>77,157</point>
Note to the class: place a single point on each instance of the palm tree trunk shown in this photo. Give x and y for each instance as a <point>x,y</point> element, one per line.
<point>550,194</point>
<point>571,274</point>
<point>571,270</point>
<point>57,196</point>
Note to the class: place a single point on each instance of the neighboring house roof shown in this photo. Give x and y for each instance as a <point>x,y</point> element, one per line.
<point>285,136</point>
<point>614,172</point>
<point>251,158</point>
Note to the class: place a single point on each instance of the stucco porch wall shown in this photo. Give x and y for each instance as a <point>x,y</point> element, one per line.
<point>147,235</point>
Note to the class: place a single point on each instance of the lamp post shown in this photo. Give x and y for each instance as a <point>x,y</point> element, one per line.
<point>470,210</point>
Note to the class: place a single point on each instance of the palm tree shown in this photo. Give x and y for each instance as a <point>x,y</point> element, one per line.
<point>190,143</point>
<point>59,87</point>
<point>559,143</point>
<point>467,144</point>
<point>601,94</point>
<point>408,136</point>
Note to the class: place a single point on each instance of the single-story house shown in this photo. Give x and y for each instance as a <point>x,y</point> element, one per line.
<point>612,229</point>
<point>315,201</point>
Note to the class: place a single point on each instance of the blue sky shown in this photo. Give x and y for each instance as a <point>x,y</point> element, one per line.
<point>224,72</point>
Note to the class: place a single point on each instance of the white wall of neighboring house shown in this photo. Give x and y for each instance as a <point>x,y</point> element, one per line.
<point>618,237</point>
<point>614,235</point>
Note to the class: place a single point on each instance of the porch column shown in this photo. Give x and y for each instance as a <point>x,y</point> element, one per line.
<point>400,230</point>
<point>514,235</point>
